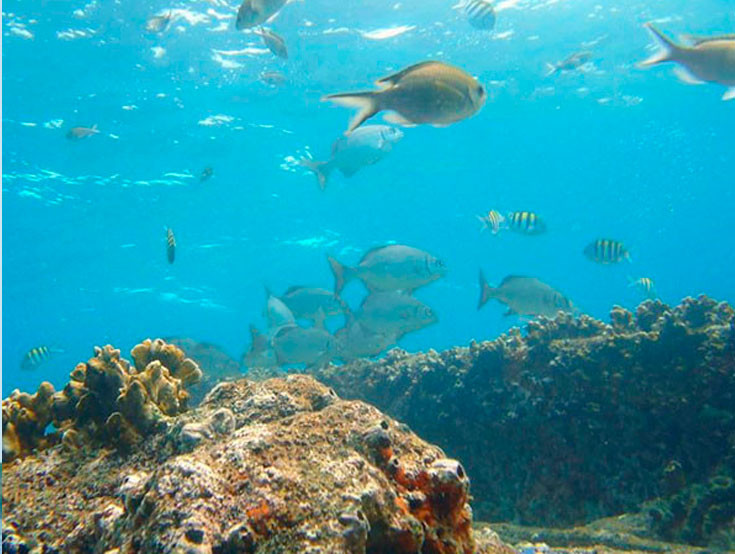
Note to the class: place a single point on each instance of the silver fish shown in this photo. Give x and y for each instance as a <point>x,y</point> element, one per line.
<point>570,63</point>
<point>364,146</point>
<point>389,268</point>
<point>394,313</point>
<point>311,346</point>
<point>274,42</point>
<point>256,12</point>
<point>710,61</point>
<point>277,313</point>
<point>159,23</point>
<point>525,296</point>
<point>312,303</point>
<point>429,92</point>
<point>78,133</point>
<point>272,78</point>
<point>260,354</point>
<point>355,341</point>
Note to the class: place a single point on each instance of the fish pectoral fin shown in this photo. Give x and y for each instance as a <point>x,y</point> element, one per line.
<point>398,119</point>
<point>729,94</point>
<point>685,76</point>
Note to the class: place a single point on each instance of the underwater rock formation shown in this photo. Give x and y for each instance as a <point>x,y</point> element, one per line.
<point>581,419</point>
<point>278,466</point>
<point>105,402</point>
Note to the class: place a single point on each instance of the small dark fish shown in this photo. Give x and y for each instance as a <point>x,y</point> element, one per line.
<point>35,357</point>
<point>527,223</point>
<point>159,23</point>
<point>570,63</point>
<point>272,78</point>
<point>170,245</point>
<point>206,174</point>
<point>78,133</point>
<point>606,251</point>
<point>480,14</point>
<point>274,42</point>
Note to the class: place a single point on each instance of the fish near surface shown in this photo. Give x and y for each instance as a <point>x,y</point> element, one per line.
<point>311,346</point>
<point>159,23</point>
<point>256,12</point>
<point>312,303</point>
<point>570,63</point>
<point>479,13</point>
<point>710,61</point>
<point>390,268</point>
<point>364,146</point>
<point>170,245</point>
<point>78,133</point>
<point>525,296</point>
<point>206,174</point>
<point>274,42</point>
<point>394,313</point>
<point>429,92</point>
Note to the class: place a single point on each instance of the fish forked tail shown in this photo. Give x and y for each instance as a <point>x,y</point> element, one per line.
<point>342,274</point>
<point>486,291</point>
<point>667,52</point>
<point>485,225</point>
<point>322,170</point>
<point>551,69</point>
<point>366,102</point>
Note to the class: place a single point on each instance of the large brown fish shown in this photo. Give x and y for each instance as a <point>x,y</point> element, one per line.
<point>429,92</point>
<point>711,60</point>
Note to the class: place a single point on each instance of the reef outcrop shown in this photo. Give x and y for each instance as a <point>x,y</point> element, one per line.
<point>107,401</point>
<point>278,466</point>
<point>576,419</point>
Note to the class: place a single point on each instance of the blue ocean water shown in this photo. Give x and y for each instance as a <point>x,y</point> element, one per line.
<point>609,150</point>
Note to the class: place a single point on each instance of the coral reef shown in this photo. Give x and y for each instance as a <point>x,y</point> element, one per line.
<point>105,402</point>
<point>278,466</point>
<point>578,419</point>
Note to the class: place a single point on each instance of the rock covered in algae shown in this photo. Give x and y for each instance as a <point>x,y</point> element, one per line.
<point>278,466</point>
<point>107,401</point>
<point>578,419</point>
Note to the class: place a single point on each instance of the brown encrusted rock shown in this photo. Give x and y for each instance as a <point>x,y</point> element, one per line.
<point>278,466</point>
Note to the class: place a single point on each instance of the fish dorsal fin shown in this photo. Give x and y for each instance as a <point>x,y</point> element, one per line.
<point>373,250</point>
<point>294,288</point>
<point>510,278</point>
<point>393,79</point>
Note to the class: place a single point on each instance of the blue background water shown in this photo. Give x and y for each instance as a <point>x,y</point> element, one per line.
<point>611,151</point>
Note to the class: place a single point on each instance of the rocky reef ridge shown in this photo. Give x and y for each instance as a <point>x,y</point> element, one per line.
<point>578,419</point>
<point>278,466</point>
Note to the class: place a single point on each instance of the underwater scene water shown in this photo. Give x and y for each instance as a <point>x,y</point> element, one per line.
<point>179,169</point>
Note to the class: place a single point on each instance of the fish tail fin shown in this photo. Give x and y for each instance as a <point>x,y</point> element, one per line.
<point>551,69</point>
<point>366,102</point>
<point>482,220</point>
<point>342,274</point>
<point>667,52</point>
<point>258,341</point>
<point>320,169</point>
<point>486,291</point>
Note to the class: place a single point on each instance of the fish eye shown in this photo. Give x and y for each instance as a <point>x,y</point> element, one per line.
<point>427,312</point>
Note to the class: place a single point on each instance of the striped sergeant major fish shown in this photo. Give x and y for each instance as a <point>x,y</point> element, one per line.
<point>645,285</point>
<point>36,356</point>
<point>479,13</point>
<point>170,245</point>
<point>607,251</point>
<point>527,223</point>
<point>492,220</point>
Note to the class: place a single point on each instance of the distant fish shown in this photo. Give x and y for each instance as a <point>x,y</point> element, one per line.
<point>78,133</point>
<point>645,285</point>
<point>256,12</point>
<point>709,60</point>
<point>493,220</point>
<point>479,13</point>
<point>274,42</point>
<point>525,296</point>
<point>272,78</point>
<point>170,245</point>
<point>570,63</point>
<point>388,268</point>
<point>312,303</point>
<point>215,362</point>
<point>526,223</point>
<point>36,356</point>
<point>277,313</point>
<point>206,174</point>
<point>430,92</point>
<point>606,251</point>
<point>364,146</point>
<point>311,346</point>
<point>159,23</point>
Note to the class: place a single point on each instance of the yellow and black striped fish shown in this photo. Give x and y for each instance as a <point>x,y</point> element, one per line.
<point>606,251</point>
<point>35,357</point>
<point>493,220</point>
<point>645,285</point>
<point>479,13</point>
<point>527,223</point>
<point>170,245</point>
